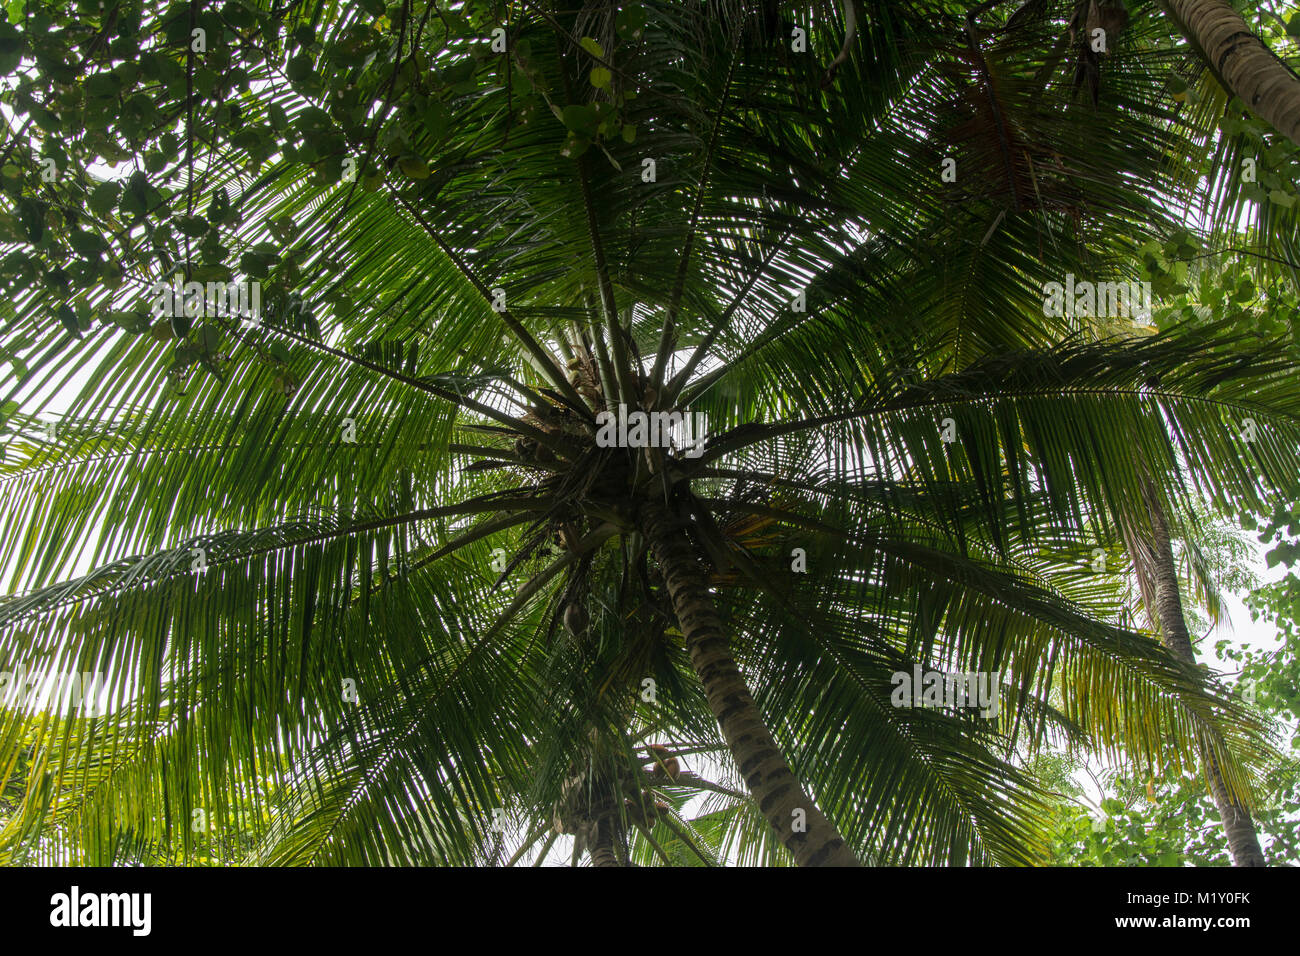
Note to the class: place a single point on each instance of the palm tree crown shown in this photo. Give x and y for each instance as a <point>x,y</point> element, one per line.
<point>368,586</point>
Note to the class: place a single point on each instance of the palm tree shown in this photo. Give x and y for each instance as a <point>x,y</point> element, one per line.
<point>1241,61</point>
<point>365,584</point>
<point>1154,561</point>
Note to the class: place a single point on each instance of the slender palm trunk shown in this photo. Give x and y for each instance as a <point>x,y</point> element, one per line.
<point>801,827</point>
<point>1243,63</point>
<point>1243,842</point>
<point>605,850</point>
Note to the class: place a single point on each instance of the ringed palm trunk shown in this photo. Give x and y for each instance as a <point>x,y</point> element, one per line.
<point>606,850</point>
<point>1243,842</point>
<point>775,789</point>
<point>604,855</point>
<point>1247,68</point>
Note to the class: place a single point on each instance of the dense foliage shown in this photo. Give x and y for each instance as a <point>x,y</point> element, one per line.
<point>364,587</point>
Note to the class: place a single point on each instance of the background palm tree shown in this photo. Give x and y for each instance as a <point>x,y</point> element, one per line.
<point>1154,557</point>
<point>1241,61</point>
<point>366,589</point>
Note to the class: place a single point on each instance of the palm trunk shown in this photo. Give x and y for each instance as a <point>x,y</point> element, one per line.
<point>811,839</point>
<point>1243,842</point>
<point>1245,66</point>
<point>604,850</point>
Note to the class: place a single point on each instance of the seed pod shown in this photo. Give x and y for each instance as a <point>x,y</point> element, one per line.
<point>576,619</point>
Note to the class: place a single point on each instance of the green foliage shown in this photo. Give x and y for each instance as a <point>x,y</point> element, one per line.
<point>460,263</point>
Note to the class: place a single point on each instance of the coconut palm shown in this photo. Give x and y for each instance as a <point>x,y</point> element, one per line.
<point>365,583</point>
<point>1241,61</point>
<point>1158,574</point>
